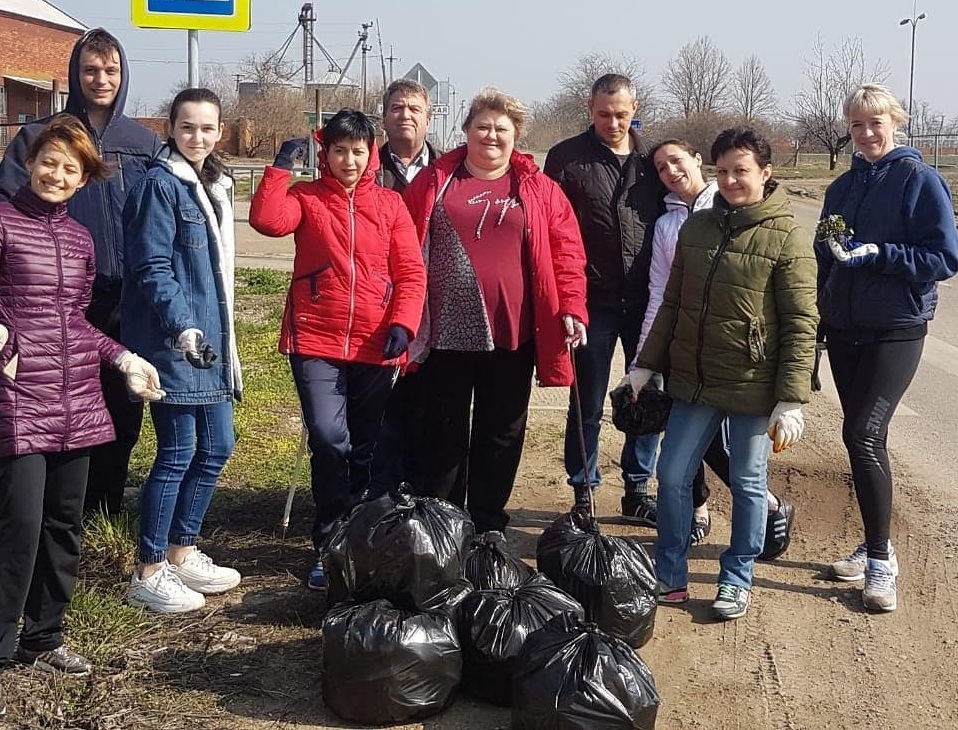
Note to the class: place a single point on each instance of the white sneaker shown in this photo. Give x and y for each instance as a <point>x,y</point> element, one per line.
<point>199,573</point>
<point>853,567</point>
<point>881,591</point>
<point>163,592</point>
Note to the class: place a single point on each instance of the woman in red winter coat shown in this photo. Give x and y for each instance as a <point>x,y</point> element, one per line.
<point>353,305</point>
<point>505,293</point>
<point>51,404</point>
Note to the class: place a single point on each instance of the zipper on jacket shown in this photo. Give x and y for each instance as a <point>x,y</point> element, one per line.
<point>103,191</point>
<point>65,381</point>
<point>119,171</point>
<point>726,240</point>
<point>352,273</point>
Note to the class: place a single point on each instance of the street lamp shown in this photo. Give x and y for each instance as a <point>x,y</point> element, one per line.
<point>913,20</point>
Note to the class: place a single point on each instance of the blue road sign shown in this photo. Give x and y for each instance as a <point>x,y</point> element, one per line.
<point>191,7</point>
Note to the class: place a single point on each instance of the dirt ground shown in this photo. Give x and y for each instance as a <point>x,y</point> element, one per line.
<point>806,657</point>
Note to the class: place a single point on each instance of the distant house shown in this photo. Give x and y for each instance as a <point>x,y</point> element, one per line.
<point>36,39</point>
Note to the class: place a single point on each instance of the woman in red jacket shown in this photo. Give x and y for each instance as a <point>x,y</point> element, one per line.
<point>353,305</point>
<point>51,403</point>
<point>506,292</point>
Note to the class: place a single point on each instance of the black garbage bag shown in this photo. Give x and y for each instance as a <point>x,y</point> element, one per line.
<point>574,676</point>
<point>493,626</point>
<point>612,577</point>
<point>383,665</point>
<point>488,563</point>
<point>400,547</point>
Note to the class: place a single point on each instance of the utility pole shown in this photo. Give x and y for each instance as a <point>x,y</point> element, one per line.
<point>363,37</point>
<point>391,58</point>
<point>307,21</point>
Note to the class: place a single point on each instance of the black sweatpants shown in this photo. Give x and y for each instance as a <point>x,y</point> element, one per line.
<point>399,450</point>
<point>871,380</point>
<point>41,508</point>
<point>110,462</point>
<point>474,464</point>
<point>343,404</point>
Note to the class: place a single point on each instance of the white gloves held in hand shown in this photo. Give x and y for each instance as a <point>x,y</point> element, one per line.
<point>636,379</point>
<point>10,368</point>
<point>142,380</point>
<point>785,425</point>
<point>575,331</point>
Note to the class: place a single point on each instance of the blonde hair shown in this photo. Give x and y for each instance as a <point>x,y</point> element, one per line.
<point>874,99</point>
<point>497,101</point>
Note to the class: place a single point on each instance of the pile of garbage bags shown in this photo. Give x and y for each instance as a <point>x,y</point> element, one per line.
<point>422,607</point>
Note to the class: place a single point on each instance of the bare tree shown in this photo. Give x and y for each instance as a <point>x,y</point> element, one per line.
<point>697,79</point>
<point>750,91</point>
<point>569,107</point>
<point>830,76</point>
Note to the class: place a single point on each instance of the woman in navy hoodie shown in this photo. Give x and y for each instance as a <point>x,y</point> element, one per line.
<point>877,290</point>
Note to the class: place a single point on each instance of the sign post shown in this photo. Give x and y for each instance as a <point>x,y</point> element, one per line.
<point>192,16</point>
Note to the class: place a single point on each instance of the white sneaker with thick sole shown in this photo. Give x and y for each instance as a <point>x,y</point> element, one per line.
<point>163,592</point>
<point>202,575</point>
<point>881,591</point>
<point>852,567</point>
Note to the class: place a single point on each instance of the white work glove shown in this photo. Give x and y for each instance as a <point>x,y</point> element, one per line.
<point>636,379</point>
<point>10,369</point>
<point>785,425</point>
<point>142,380</point>
<point>575,331</point>
<point>198,353</point>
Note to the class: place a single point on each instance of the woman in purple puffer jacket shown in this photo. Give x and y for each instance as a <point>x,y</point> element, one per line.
<point>51,405</point>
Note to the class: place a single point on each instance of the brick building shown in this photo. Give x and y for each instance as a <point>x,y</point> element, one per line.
<point>36,39</point>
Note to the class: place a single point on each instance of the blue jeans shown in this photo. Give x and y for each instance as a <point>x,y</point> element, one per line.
<point>689,431</point>
<point>193,443</point>
<point>593,363</point>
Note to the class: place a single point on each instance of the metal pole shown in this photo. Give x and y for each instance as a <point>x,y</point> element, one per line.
<point>193,57</point>
<point>911,77</point>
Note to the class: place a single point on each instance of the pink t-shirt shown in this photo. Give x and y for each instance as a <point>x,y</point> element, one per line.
<point>490,223</point>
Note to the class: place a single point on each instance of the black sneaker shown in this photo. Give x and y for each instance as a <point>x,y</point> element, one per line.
<point>60,660</point>
<point>778,531</point>
<point>639,509</point>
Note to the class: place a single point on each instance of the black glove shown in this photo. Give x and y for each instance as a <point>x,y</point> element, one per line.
<point>197,352</point>
<point>397,341</point>
<point>291,149</point>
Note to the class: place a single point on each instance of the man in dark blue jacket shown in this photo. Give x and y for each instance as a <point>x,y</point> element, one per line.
<point>99,81</point>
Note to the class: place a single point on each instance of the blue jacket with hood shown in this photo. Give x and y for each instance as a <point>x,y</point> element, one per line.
<point>904,206</point>
<point>124,144</point>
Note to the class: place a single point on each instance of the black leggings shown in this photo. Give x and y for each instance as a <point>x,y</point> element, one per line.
<point>871,380</point>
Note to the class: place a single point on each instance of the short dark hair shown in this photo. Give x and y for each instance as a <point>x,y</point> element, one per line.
<point>68,133</point>
<point>99,42</point>
<point>743,138</point>
<point>349,124</point>
<point>611,83</point>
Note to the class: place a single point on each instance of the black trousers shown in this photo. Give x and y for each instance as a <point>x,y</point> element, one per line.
<point>343,405</point>
<point>474,464</point>
<point>871,380</point>
<point>41,507</point>
<point>399,450</point>
<point>110,462</point>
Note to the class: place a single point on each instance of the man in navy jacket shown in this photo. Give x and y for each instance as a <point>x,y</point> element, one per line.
<point>99,82</point>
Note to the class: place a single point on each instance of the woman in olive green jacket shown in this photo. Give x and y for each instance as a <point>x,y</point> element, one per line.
<point>736,336</point>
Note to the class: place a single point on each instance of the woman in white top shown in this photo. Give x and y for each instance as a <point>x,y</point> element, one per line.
<point>679,166</point>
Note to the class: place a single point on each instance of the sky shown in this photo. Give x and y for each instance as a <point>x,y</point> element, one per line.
<point>523,51</point>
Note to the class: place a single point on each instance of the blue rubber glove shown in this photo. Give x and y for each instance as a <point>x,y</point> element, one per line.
<point>397,342</point>
<point>291,149</point>
<point>853,253</point>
